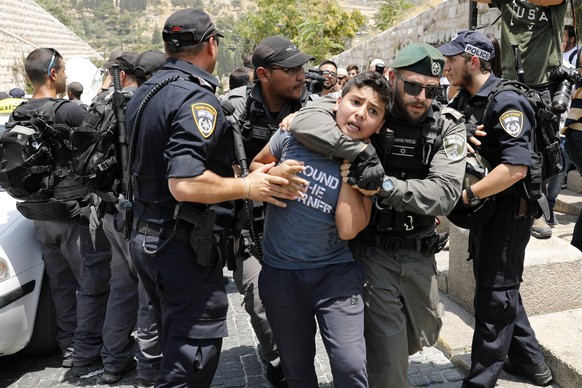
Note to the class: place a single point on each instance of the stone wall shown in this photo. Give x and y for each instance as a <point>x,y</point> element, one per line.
<point>435,26</point>
<point>25,26</point>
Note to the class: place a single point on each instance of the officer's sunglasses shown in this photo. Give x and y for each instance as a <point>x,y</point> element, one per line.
<point>413,88</point>
<point>290,70</point>
<point>51,63</point>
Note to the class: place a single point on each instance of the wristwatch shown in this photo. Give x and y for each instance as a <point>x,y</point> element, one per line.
<point>473,199</point>
<point>387,186</point>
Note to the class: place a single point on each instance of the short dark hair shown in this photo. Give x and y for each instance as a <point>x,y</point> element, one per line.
<point>353,67</point>
<point>570,30</point>
<point>377,82</point>
<point>248,60</point>
<point>39,63</point>
<point>328,62</point>
<point>484,66</point>
<point>239,77</point>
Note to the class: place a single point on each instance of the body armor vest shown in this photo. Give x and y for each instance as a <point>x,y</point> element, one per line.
<point>406,152</point>
<point>257,125</point>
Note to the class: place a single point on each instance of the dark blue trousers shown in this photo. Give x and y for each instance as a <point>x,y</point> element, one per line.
<point>190,305</point>
<point>502,329</point>
<point>333,295</point>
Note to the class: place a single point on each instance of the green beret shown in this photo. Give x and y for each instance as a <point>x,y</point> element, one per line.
<point>420,58</point>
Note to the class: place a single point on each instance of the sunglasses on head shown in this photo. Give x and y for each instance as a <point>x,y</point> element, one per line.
<point>51,63</point>
<point>414,88</point>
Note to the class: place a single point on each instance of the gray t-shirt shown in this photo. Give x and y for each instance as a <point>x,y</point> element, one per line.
<point>304,235</point>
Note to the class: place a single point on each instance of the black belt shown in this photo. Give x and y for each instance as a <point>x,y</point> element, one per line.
<point>390,243</point>
<point>157,230</point>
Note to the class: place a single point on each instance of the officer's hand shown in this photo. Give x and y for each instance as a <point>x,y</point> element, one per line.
<point>267,188</point>
<point>473,131</point>
<point>286,122</point>
<point>345,172</point>
<point>289,170</point>
<point>366,171</point>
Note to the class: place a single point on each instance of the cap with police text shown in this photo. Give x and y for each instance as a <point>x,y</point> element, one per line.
<point>148,62</point>
<point>111,60</point>
<point>420,58</point>
<point>126,62</point>
<point>472,42</point>
<point>278,51</point>
<point>16,93</point>
<point>188,27</point>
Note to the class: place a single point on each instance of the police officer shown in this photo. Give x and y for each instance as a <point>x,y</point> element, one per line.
<point>183,188</point>
<point>128,303</point>
<point>75,251</point>
<point>533,27</point>
<point>279,89</point>
<point>423,153</point>
<point>503,336</point>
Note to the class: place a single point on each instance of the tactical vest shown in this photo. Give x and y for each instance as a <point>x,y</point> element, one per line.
<point>406,153</point>
<point>257,125</point>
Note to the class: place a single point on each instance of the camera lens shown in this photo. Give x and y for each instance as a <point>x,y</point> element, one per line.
<point>562,96</point>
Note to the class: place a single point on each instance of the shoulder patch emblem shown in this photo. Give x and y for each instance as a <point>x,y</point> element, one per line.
<point>455,146</point>
<point>512,122</point>
<point>205,118</point>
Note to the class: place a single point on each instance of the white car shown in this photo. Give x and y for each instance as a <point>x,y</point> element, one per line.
<point>27,316</point>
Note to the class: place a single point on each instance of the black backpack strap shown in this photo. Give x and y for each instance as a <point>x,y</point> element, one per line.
<point>128,204</point>
<point>432,135</point>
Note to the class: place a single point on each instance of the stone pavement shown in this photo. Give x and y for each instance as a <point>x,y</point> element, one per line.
<point>240,365</point>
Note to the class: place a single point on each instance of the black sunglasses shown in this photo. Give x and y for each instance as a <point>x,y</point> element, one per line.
<point>414,88</point>
<point>289,70</point>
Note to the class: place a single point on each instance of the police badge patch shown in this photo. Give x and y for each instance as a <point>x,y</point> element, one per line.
<point>512,122</point>
<point>455,146</point>
<point>205,118</point>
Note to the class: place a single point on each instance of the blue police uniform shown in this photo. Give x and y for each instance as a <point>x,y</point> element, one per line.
<point>502,328</point>
<point>182,133</point>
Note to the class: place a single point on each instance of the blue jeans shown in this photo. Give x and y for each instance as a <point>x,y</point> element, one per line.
<point>574,147</point>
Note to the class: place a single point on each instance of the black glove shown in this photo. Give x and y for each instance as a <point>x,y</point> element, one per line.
<point>471,129</point>
<point>366,171</point>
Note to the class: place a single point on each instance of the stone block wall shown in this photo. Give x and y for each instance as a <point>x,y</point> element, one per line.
<point>25,26</point>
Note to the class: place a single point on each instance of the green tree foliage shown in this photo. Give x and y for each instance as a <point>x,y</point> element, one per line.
<point>318,27</point>
<point>132,5</point>
<point>390,12</point>
<point>157,36</point>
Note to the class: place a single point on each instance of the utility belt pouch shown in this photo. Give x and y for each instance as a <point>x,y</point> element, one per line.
<point>51,210</point>
<point>202,236</point>
<point>534,183</point>
<point>434,244</point>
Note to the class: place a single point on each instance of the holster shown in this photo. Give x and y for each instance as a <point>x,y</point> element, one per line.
<point>202,238</point>
<point>434,244</point>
